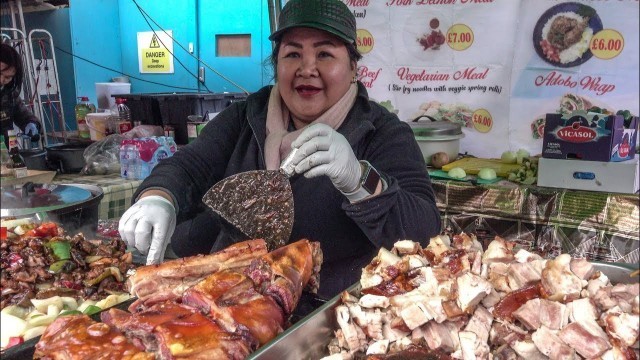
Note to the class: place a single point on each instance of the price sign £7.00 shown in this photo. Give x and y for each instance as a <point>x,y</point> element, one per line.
<point>459,37</point>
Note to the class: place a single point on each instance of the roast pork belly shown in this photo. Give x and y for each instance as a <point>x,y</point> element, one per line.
<point>548,342</point>
<point>499,250</point>
<point>498,276</point>
<point>441,336</point>
<point>504,333</point>
<point>582,309</point>
<point>559,281</point>
<point>154,283</point>
<point>523,256</point>
<point>553,315</point>
<point>527,350</point>
<point>582,268</point>
<point>623,296</point>
<point>522,274</point>
<point>586,337</point>
<point>480,323</point>
<point>622,326</point>
<point>78,337</point>
<point>471,290</point>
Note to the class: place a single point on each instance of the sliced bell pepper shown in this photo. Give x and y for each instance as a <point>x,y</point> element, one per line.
<point>91,309</point>
<point>15,340</point>
<point>61,249</point>
<point>62,266</point>
<point>45,230</point>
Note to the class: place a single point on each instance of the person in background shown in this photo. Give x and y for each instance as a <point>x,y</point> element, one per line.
<point>12,109</point>
<point>318,107</point>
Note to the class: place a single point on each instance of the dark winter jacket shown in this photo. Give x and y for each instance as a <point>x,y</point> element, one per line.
<point>14,111</point>
<point>350,234</point>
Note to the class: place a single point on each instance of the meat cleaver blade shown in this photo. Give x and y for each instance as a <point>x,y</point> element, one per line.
<point>259,203</point>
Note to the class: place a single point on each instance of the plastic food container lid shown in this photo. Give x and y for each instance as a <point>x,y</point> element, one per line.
<point>434,128</point>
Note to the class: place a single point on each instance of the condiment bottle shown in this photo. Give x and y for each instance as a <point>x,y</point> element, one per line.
<point>82,109</point>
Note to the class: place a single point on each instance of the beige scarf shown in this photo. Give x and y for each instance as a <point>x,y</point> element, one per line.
<point>278,142</point>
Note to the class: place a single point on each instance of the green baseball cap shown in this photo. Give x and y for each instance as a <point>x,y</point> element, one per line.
<point>332,16</point>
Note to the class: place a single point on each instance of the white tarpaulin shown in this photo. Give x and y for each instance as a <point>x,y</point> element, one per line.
<point>480,63</point>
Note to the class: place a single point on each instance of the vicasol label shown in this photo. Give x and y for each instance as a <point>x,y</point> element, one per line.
<point>576,133</point>
<point>582,127</point>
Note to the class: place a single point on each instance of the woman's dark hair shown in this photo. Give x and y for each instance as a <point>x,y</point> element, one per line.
<point>10,57</point>
<point>354,55</point>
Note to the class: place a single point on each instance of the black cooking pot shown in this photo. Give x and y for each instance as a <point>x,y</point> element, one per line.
<point>66,158</point>
<point>36,159</point>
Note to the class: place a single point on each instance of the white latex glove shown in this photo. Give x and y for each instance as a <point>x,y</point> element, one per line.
<point>324,151</point>
<point>31,129</point>
<point>148,225</point>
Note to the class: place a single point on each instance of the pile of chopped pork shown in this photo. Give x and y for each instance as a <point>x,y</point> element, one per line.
<point>454,300</point>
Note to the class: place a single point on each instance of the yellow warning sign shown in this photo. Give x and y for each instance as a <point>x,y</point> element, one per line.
<point>154,42</point>
<point>155,60</point>
<point>154,52</point>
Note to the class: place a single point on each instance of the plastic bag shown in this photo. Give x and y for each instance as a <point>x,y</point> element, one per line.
<point>103,156</point>
<point>141,131</point>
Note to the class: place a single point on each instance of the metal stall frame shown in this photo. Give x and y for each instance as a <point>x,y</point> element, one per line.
<point>32,38</point>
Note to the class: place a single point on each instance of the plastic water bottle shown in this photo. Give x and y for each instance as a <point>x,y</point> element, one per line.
<point>122,111</point>
<point>169,143</point>
<point>128,159</point>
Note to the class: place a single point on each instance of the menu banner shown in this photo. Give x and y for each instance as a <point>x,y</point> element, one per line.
<point>496,67</point>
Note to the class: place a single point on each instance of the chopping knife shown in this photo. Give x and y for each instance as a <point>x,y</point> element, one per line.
<point>259,203</point>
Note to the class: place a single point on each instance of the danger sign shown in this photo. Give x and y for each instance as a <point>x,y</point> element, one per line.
<point>154,52</point>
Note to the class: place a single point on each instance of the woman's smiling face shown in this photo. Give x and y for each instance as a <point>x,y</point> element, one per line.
<point>314,72</point>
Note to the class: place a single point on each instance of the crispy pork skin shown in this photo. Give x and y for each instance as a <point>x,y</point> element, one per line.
<point>78,337</point>
<point>230,298</point>
<point>290,268</point>
<point>198,337</point>
<point>171,278</point>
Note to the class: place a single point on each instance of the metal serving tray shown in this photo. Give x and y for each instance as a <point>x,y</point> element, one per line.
<point>309,338</point>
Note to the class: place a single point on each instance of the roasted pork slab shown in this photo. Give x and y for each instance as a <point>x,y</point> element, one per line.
<point>224,315</point>
<point>154,283</point>
<point>79,337</point>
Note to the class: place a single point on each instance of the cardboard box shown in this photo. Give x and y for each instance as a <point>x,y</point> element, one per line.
<point>616,177</point>
<point>589,136</point>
